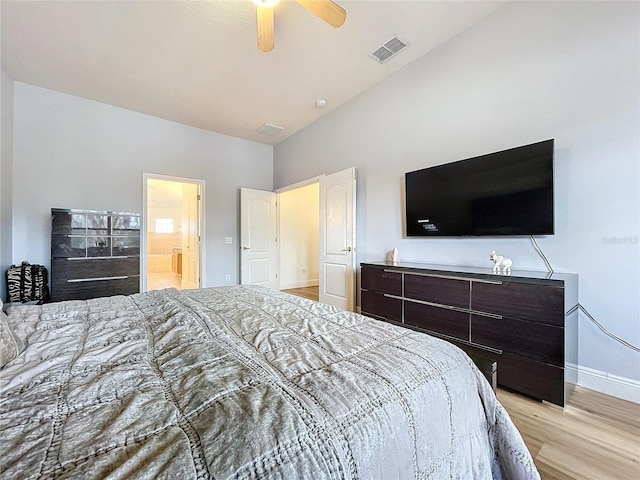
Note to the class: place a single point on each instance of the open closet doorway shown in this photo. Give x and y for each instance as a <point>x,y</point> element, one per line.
<point>336,236</point>
<point>336,242</point>
<point>299,218</point>
<point>172,240</point>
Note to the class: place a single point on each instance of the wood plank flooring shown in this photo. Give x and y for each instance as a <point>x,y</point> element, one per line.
<point>306,292</point>
<point>596,437</point>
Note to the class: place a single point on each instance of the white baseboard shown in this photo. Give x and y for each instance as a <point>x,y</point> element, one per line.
<point>603,382</point>
<point>300,284</point>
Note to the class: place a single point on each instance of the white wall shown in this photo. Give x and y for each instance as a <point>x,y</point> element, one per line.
<point>529,72</point>
<point>298,211</point>
<point>71,152</point>
<point>6,177</point>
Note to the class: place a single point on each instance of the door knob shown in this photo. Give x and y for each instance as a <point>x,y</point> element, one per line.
<point>348,249</point>
<point>244,247</point>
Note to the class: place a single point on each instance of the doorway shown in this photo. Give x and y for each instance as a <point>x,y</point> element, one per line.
<point>299,234</point>
<point>172,233</point>
<point>337,214</point>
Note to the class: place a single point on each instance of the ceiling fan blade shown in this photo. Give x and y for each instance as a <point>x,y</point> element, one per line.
<point>265,28</point>
<point>327,10</point>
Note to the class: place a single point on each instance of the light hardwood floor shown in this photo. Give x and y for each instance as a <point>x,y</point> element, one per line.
<point>596,437</point>
<point>306,292</point>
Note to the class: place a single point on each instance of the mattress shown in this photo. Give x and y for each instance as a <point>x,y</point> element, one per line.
<point>243,382</point>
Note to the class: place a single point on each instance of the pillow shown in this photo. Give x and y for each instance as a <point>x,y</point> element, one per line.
<point>9,344</point>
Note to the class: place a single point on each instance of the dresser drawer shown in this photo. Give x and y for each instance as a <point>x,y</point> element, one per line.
<point>125,245</point>
<point>537,379</point>
<point>537,341</point>
<point>65,223</point>
<point>379,306</point>
<point>437,319</point>
<point>377,280</point>
<point>444,291</point>
<point>538,303</point>
<point>69,246</point>
<point>84,268</point>
<point>83,290</point>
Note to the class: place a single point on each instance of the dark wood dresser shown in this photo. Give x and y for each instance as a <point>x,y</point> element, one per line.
<point>94,254</point>
<point>518,320</point>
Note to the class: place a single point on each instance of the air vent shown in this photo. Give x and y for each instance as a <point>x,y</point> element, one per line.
<point>389,49</point>
<point>269,129</point>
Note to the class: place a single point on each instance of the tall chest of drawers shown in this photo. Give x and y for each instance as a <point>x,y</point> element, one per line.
<point>520,321</point>
<point>94,254</point>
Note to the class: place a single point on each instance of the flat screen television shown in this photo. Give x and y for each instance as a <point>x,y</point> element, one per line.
<point>499,194</point>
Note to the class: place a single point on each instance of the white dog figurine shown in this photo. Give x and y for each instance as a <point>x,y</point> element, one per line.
<point>500,262</point>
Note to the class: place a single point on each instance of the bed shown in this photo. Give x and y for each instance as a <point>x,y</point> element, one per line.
<point>241,382</point>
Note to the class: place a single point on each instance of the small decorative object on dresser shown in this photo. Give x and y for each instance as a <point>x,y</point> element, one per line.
<point>394,256</point>
<point>500,262</point>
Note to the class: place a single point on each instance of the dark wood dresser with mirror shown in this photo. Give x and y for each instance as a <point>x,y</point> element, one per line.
<point>94,254</point>
<point>518,320</point>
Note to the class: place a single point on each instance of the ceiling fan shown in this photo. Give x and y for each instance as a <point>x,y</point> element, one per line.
<point>327,10</point>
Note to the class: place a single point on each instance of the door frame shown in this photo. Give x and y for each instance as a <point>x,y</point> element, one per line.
<point>300,184</point>
<point>143,226</point>
<point>353,300</point>
<point>288,188</point>
<point>354,296</point>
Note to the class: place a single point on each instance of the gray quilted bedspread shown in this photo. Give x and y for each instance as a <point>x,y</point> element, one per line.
<point>243,382</point>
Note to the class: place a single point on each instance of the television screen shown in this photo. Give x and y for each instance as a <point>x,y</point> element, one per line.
<point>502,193</point>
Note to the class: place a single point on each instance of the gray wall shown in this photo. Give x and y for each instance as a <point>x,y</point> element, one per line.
<point>6,176</point>
<point>529,72</point>
<point>71,152</point>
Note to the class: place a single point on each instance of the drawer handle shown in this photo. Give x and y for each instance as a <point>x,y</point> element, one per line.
<point>491,282</point>
<point>486,314</point>
<point>77,280</point>
<point>446,277</point>
<point>388,295</point>
<point>97,258</point>
<point>466,342</point>
<point>438,305</point>
<point>435,275</point>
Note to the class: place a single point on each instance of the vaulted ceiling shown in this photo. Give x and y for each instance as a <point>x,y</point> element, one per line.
<point>197,63</point>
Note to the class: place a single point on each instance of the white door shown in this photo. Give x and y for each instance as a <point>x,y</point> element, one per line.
<point>191,236</point>
<point>258,258</point>
<point>337,239</point>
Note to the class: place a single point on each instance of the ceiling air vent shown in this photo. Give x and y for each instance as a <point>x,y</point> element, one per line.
<point>269,129</point>
<point>389,49</point>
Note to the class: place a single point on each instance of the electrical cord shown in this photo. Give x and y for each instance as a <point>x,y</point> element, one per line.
<point>579,306</point>
<point>615,337</point>
<point>544,259</point>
